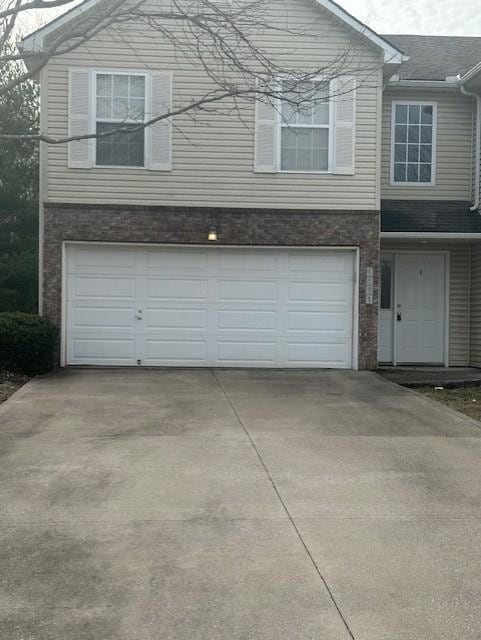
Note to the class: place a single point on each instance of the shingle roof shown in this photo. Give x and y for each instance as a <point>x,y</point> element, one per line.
<point>429,216</point>
<point>435,57</point>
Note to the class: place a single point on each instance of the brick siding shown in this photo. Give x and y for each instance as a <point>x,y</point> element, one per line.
<point>181,225</point>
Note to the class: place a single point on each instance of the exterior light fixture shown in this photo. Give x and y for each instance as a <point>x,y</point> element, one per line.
<point>212,237</point>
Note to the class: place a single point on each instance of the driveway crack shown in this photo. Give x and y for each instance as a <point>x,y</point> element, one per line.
<point>284,506</point>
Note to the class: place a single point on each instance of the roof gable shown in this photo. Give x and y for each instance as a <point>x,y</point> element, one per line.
<point>34,41</point>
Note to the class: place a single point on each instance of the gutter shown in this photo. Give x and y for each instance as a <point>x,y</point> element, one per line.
<point>477,187</point>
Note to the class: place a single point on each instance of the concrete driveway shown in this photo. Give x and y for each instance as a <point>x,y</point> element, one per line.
<point>236,505</point>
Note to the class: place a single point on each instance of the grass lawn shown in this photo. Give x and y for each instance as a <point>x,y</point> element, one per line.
<point>467,400</point>
<point>9,383</point>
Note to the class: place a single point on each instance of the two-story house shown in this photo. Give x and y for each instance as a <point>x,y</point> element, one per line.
<point>235,239</point>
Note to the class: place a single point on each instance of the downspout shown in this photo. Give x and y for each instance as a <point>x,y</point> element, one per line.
<point>477,178</point>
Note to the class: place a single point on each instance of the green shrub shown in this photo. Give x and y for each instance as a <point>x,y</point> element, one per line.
<point>27,343</point>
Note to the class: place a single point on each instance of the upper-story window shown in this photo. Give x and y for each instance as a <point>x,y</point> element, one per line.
<point>413,143</point>
<point>120,103</point>
<point>306,128</point>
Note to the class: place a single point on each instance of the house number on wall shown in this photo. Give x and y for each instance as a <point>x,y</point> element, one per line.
<point>369,285</point>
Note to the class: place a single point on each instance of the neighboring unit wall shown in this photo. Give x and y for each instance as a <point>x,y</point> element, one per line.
<point>459,287</point>
<point>213,153</point>
<point>475,341</point>
<point>454,156</point>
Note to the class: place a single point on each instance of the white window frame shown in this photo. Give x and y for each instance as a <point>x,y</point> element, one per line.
<point>424,103</point>
<point>331,127</point>
<point>93,110</point>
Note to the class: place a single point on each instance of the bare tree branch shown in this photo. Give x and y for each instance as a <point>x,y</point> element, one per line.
<point>224,41</point>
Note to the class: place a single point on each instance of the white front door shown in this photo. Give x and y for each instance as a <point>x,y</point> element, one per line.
<point>420,308</point>
<point>206,306</point>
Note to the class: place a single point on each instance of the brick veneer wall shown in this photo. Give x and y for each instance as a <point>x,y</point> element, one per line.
<point>121,223</point>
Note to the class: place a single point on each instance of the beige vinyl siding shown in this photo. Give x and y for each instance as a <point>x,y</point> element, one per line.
<point>454,154</point>
<point>475,341</point>
<point>213,153</point>
<point>459,295</point>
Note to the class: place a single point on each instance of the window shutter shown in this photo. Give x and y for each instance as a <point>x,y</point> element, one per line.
<point>343,90</point>
<point>160,133</point>
<point>79,151</point>
<point>267,119</point>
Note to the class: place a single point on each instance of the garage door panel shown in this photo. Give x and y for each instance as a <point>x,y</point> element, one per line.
<point>176,289</point>
<point>178,260</point>
<point>247,291</point>
<point>246,320</point>
<point>101,348</point>
<point>209,306</point>
<point>176,319</point>
<point>333,355</point>
<point>172,351</point>
<point>316,291</point>
<point>316,321</point>
<point>247,261</point>
<point>99,257</point>
<point>244,351</point>
<point>103,287</point>
<point>103,317</point>
<point>309,262</point>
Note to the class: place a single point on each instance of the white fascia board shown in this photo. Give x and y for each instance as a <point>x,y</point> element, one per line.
<point>423,84</point>
<point>469,75</point>
<point>391,54</point>
<point>420,235</point>
<point>34,42</point>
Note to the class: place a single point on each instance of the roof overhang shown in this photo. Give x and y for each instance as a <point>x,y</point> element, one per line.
<point>449,83</point>
<point>420,235</point>
<point>34,42</point>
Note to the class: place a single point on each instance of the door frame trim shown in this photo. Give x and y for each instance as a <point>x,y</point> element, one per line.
<point>447,275</point>
<point>349,248</point>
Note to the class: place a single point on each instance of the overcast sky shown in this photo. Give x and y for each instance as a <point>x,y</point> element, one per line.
<point>442,17</point>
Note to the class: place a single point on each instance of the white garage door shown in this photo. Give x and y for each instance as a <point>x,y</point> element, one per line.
<point>182,306</point>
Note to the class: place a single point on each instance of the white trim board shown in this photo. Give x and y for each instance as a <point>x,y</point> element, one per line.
<point>421,235</point>
<point>34,42</point>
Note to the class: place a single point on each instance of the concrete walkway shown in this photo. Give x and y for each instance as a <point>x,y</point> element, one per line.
<point>237,505</point>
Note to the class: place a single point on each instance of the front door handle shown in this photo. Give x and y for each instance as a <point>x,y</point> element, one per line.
<point>399,318</point>
<point>139,315</point>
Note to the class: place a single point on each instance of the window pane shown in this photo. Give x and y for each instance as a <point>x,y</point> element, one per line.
<point>304,149</point>
<point>413,173</point>
<point>425,153</point>
<point>137,86</point>
<point>414,114</point>
<point>400,153</point>
<point>121,86</point>
<point>307,103</point>
<point>104,108</point>
<point>104,85</point>
<point>401,133</point>
<point>425,173</point>
<point>136,109</point>
<point>386,280</point>
<point>427,115</point>
<point>413,153</point>
<point>401,113</point>
<point>426,134</point>
<point>121,108</point>
<point>116,99</point>
<point>400,172</point>
<point>120,149</point>
<point>413,133</point>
